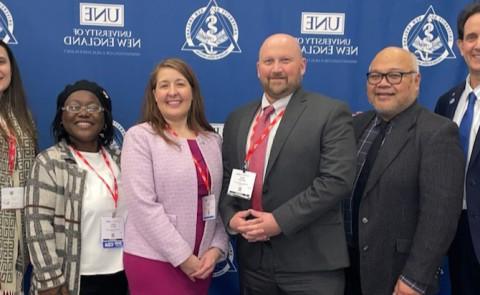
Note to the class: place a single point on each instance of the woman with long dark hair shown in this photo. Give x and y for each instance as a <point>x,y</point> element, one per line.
<point>172,172</point>
<point>17,151</point>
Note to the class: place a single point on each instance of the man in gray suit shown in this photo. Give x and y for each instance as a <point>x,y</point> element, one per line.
<point>407,198</point>
<point>290,238</point>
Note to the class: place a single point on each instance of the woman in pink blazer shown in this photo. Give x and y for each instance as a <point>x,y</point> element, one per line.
<point>171,179</point>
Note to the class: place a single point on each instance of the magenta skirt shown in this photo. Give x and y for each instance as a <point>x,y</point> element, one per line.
<point>146,277</point>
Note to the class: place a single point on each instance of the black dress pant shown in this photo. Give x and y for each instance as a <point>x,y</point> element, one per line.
<point>112,284</point>
<point>352,273</point>
<point>267,280</point>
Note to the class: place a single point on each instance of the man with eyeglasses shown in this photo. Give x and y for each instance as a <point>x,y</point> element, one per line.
<point>460,104</point>
<point>402,214</point>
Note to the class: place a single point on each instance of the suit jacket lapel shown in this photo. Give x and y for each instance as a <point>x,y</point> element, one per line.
<point>292,113</point>
<point>450,112</point>
<point>361,123</point>
<point>453,100</point>
<point>475,150</point>
<point>243,128</point>
<point>395,141</point>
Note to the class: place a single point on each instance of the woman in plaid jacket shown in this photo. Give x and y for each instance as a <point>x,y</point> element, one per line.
<point>72,200</point>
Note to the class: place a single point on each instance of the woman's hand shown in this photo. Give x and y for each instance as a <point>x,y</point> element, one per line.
<point>208,261</point>
<point>190,266</point>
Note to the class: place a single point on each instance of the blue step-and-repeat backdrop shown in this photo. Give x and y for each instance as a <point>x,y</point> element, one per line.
<point>117,43</point>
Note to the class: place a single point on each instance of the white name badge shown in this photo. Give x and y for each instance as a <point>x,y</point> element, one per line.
<point>241,184</point>
<point>112,232</point>
<point>209,208</point>
<point>13,197</point>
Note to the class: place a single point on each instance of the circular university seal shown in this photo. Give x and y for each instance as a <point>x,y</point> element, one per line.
<point>424,36</point>
<point>118,134</point>
<point>211,40</point>
<point>227,265</point>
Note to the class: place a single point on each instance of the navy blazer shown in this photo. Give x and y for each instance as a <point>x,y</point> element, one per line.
<point>446,106</point>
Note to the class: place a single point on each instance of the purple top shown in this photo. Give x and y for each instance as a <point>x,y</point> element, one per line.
<point>202,191</point>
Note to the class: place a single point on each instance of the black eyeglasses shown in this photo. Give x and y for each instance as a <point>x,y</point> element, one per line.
<point>76,108</point>
<point>393,78</point>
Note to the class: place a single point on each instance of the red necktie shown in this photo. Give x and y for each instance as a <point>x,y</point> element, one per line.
<point>257,161</point>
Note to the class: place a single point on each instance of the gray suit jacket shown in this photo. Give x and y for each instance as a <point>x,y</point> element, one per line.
<point>412,200</point>
<point>309,172</point>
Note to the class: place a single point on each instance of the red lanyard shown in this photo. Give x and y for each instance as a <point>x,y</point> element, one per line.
<point>265,133</point>
<point>203,174</point>
<point>12,153</point>
<point>113,192</point>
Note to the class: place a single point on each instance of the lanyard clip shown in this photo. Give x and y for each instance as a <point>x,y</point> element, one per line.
<point>245,166</point>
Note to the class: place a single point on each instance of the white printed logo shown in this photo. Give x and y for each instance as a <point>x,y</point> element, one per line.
<point>218,128</point>
<point>6,25</point>
<point>118,135</point>
<point>323,23</point>
<point>211,33</point>
<point>96,14</point>
<point>429,37</point>
<point>227,265</point>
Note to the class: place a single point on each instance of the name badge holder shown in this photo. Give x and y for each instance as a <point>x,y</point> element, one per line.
<point>242,181</point>
<point>112,232</point>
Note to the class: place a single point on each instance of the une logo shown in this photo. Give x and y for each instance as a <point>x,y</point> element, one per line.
<point>96,14</point>
<point>323,23</point>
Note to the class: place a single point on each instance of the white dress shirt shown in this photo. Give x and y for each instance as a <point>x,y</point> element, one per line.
<point>457,118</point>
<point>279,105</point>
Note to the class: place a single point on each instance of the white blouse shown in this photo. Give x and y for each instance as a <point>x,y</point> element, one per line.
<point>97,203</point>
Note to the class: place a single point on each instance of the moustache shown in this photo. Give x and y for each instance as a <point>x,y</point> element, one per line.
<point>277,77</point>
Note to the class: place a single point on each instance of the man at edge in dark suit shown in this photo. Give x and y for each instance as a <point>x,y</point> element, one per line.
<point>291,238</point>
<point>461,105</point>
<point>406,201</point>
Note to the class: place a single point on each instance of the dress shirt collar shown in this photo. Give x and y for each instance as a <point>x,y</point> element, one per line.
<point>278,105</point>
<point>468,88</point>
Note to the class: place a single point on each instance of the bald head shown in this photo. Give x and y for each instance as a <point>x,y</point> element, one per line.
<point>398,81</point>
<point>398,54</point>
<point>283,40</point>
<point>280,66</point>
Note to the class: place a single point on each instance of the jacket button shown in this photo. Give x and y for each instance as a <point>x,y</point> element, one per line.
<point>365,248</point>
<point>472,182</point>
<point>364,220</point>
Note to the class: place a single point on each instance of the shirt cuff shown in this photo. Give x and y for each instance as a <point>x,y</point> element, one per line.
<point>231,231</point>
<point>418,287</point>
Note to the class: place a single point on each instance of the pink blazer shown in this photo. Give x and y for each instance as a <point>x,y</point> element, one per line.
<point>159,184</point>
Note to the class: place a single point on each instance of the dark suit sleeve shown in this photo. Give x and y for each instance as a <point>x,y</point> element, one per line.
<point>440,106</point>
<point>441,191</point>
<point>228,205</point>
<point>334,179</point>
